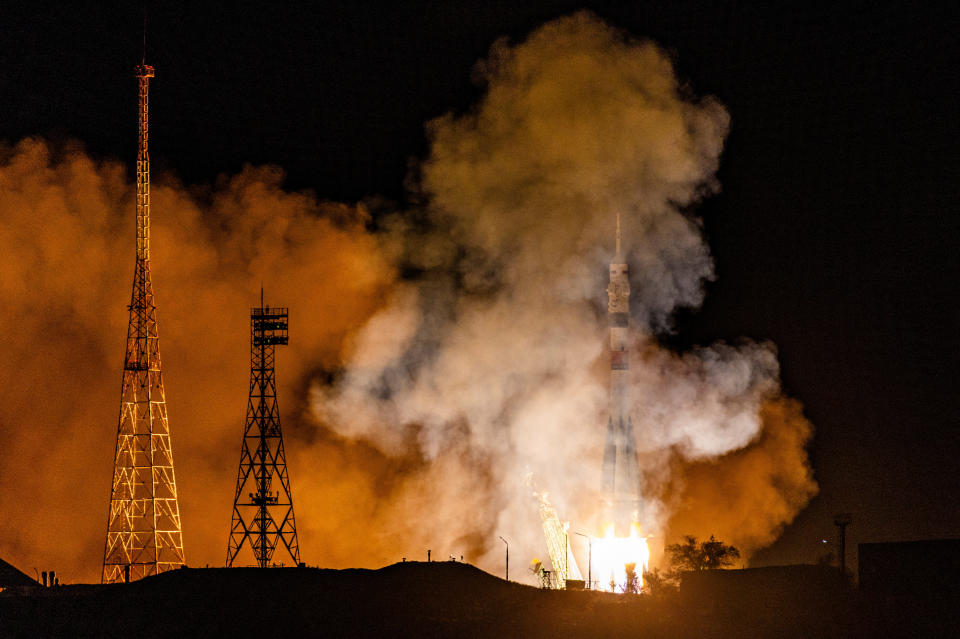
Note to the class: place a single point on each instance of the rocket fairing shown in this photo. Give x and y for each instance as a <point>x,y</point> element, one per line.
<point>620,477</point>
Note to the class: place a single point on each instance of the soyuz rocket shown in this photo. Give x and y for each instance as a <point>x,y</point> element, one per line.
<point>620,478</point>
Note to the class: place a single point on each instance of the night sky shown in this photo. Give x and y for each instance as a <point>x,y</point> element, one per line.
<point>834,235</point>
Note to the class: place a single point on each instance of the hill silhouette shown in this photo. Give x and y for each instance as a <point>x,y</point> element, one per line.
<point>438,599</point>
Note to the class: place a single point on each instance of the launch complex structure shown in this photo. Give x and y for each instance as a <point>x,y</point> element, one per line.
<point>143,524</point>
<point>263,517</point>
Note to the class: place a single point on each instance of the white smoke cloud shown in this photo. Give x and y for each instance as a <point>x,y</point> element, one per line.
<point>707,401</point>
<point>500,348</point>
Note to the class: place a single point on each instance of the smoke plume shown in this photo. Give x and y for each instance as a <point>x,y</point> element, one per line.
<point>67,255</point>
<point>415,406</point>
<point>491,365</point>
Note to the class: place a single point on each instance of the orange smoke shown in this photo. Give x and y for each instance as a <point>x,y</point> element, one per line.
<point>748,496</point>
<point>67,255</point>
<point>413,409</point>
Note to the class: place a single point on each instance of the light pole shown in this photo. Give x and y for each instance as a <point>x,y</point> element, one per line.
<point>508,556</point>
<point>841,521</point>
<point>589,558</point>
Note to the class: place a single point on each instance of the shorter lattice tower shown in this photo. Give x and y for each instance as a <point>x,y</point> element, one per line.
<point>263,517</point>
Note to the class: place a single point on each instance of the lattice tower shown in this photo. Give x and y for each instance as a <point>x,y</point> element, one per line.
<point>557,535</point>
<point>263,517</point>
<point>143,525</point>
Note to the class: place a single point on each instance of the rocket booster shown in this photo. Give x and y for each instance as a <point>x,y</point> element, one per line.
<point>620,478</point>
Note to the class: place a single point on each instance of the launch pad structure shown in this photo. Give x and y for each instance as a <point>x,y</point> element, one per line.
<point>263,517</point>
<point>143,524</point>
<point>557,536</point>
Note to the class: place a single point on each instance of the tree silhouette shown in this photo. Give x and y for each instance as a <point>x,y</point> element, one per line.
<point>659,584</point>
<point>704,555</point>
<point>633,580</point>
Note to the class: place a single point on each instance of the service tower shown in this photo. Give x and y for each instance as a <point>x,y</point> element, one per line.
<point>263,517</point>
<point>620,479</point>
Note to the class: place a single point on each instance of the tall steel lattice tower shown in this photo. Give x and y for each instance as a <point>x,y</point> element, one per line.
<point>143,526</point>
<point>263,517</point>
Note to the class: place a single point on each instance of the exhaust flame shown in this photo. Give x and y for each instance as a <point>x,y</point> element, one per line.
<point>619,562</point>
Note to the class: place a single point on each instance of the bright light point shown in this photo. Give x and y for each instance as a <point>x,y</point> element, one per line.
<point>618,561</point>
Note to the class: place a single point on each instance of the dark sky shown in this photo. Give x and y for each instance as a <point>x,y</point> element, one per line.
<point>835,235</point>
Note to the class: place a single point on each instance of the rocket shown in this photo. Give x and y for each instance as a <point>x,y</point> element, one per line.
<point>620,478</point>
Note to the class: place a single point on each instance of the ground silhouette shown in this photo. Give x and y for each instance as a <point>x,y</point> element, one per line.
<point>438,599</point>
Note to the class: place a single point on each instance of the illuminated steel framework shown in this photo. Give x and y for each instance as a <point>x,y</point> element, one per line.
<point>143,525</point>
<point>263,517</point>
<point>557,534</point>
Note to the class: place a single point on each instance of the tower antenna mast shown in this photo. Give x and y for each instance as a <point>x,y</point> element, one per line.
<point>263,517</point>
<point>143,523</point>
